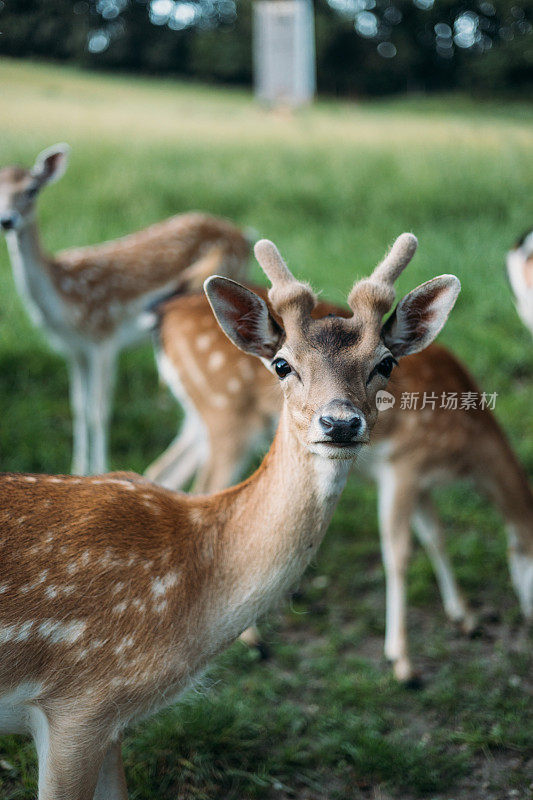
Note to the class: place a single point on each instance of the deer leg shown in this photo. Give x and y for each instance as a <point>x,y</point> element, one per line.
<point>395,507</point>
<point>520,556</point>
<point>102,364</point>
<point>69,761</point>
<point>429,532</point>
<point>79,376</point>
<point>185,455</point>
<point>111,778</point>
<point>225,463</point>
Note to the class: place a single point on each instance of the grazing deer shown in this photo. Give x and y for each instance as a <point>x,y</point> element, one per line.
<point>126,589</point>
<point>231,404</point>
<point>520,271</point>
<point>93,301</point>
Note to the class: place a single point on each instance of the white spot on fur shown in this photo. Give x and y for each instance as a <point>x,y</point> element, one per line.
<point>30,479</point>
<point>72,568</point>
<point>7,632</point>
<point>24,631</point>
<point>126,642</point>
<point>219,400</point>
<point>203,341</point>
<point>215,360</point>
<point>160,586</point>
<point>51,592</point>
<point>234,385</point>
<point>125,484</point>
<point>61,632</point>
<point>120,607</point>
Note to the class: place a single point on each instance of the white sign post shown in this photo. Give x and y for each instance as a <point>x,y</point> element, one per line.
<point>284,51</point>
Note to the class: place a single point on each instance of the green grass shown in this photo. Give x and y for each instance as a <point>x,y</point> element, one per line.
<point>332,185</point>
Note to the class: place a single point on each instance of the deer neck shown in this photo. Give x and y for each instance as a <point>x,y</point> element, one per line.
<point>275,523</point>
<point>25,248</point>
<point>32,274</point>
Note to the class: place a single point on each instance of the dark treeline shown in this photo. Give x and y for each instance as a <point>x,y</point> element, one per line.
<point>364,47</point>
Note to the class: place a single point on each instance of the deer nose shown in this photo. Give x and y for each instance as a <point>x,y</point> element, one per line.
<point>343,430</point>
<point>6,222</point>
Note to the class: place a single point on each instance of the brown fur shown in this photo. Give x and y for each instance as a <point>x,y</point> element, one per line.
<point>94,278</point>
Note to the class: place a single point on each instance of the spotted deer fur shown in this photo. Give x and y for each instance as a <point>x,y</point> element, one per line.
<point>115,593</point>
<point>93,301</point>
<point>231,407</point>
<point>520,271</point>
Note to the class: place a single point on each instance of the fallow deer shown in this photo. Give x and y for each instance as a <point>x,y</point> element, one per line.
<point>93,301</point>
<point>231,405</point>
<point>520,271</point>
<point>125,590</point>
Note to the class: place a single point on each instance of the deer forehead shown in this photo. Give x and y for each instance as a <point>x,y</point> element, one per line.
<point>13,180</point>
<point>334,344</point>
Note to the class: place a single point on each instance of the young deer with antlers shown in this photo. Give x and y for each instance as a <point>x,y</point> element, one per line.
<point>520,271</point>
<point>231,404</point>
<point>129,589</point>
<point>93,301</point>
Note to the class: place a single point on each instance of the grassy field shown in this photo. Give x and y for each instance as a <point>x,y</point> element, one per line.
<point>332,185</point>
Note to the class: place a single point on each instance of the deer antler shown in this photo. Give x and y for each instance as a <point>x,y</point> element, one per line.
<point>375,295</point>
<point>272,263</point>
<point>288,296</point>
<point>396,259</point>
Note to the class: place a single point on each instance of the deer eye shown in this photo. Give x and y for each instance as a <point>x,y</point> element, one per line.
<point>32,191</point>
<point>282,367</point>
<point>384,368</point>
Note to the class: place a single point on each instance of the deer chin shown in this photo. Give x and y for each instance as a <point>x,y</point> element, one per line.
<point>335,451</point>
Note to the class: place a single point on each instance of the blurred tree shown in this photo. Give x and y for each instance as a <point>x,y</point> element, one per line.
<point>363,46</point>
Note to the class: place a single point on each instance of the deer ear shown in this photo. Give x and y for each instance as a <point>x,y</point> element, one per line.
<point>243,316</point>
<point>420,316</point>
<point>51,163</point>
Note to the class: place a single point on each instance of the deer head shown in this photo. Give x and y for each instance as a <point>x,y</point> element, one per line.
<point>330,369</point>
<point>19,187</point>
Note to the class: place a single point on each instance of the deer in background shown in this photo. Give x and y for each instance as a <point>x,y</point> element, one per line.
<point>94,301</point>
<point>126,590</point>
<point>520,271</point>
<point>231,405</point>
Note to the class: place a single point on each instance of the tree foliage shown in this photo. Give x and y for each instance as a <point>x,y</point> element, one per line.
<point>363,46</point>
